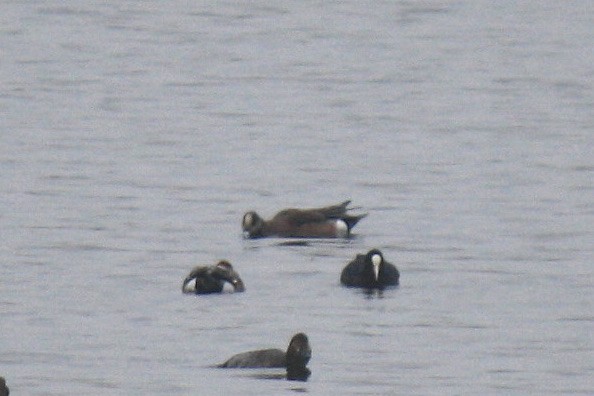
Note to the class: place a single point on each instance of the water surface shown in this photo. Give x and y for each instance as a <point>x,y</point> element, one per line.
<point>135,135</point>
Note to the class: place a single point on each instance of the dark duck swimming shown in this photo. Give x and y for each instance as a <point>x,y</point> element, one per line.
<point>294,359</point>
<point>4,391</point>
<point>326,222</point>
<point>212,279</point>
<point>370,271</point>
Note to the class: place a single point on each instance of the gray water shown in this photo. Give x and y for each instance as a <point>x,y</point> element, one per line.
<point>134,135</point>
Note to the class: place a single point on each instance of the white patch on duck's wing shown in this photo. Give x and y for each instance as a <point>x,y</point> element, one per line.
<point>190,287</point>
<point>342,229</point>
<point>227,288</point>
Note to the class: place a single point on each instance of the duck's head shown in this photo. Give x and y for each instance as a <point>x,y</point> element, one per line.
<point>298,351</point>
<point>224,270</point>
<point>252,224</point>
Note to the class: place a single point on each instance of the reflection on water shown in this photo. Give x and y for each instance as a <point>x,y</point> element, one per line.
<point>377,292</point>
<point>294,243</point>
<point>301,375</point>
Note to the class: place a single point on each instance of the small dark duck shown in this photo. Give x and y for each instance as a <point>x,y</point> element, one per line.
<point>370,271</point>
<point>327,222</point>
<point>295,359</point>
<point>211,279</point>
<point>4,391</point>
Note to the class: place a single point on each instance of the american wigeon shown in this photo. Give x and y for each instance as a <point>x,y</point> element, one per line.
<point>327,222</point>
<point>370,271</point>
<point>211,279</point>
<point>295,359</point>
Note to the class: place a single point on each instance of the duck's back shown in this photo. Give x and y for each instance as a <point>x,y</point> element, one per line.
<point>352,274</point>
<point>259,358</point>
<point>390,276</point>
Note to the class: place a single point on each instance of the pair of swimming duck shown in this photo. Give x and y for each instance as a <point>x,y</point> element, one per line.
<point>366,270</point>
<point>369,271</point>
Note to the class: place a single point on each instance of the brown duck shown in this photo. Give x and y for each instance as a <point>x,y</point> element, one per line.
<point>327,222</point>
